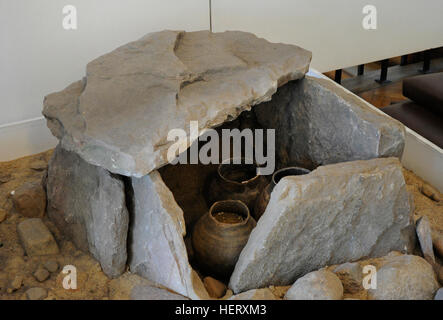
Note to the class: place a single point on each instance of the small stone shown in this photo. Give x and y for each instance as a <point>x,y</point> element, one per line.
<point>41,274</point>
<point>430,192</point>
<point>2,215</point>
<point>36,239</point>
<point>153,293</point>
<point>215,288</point>
<point>5,178</point>
<point>16,283</point>
<point>36,293</point>
<point>425,239</point>
<point>255,294</point>
<point>39,165</point>
<point>439,294</point>
<point>30,200</point>
<point>51,265</point>
<point>405,277</point>
<point>351,276</point>
<point>317,285</point>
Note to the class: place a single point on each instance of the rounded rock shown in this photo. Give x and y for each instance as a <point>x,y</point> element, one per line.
<point>36,293</point>
<point>317,285</point>
<point>405,277</point>
<point>51,265</point>
<point>41,274</point>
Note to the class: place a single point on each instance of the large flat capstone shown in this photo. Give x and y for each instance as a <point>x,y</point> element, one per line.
<point>337,213</point>
<point>318,122</point>
<point>87,203</point>
<point>119,116</point>
<point>157,248</point>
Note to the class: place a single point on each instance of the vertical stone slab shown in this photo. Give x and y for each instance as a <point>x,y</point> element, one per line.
<point>157,248</point>
<point>318,123</point>
<point>87,203</point>
<point>337,213</point>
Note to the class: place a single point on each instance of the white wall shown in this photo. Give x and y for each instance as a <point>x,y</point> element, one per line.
<point>37,56</point>
<point>332,29</point>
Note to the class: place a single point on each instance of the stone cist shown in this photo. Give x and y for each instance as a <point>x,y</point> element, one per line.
<point>107,182</point>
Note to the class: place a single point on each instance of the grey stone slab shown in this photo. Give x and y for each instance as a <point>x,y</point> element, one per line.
<point>157,247</point>
<point>318,122</point>
<point>120,115</point>
<point>338,213</point>
<point>88,205</point>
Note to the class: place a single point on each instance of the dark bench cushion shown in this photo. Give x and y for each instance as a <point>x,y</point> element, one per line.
<point>419,119</point>
<point>426,90</point>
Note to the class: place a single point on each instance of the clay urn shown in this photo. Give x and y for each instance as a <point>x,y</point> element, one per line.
<point>236,179</point>
<point>220,235</point>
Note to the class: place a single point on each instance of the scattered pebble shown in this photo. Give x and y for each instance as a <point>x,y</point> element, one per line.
<point>30,199</point>
<point>36,238</point>
<point>16,283</point>
<point>39,165</point>
<point>5,178</point>
<point>41,274</point>
<point>36,293</point>
<point>215,288</point>
<point>431,192</point>
<point>51,265</point>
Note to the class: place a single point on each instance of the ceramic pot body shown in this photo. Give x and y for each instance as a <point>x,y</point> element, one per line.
<point>263,199</point>
<point>236,182</point>
<point>217,245</point>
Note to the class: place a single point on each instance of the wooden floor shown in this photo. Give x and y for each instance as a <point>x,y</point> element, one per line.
<point>389,93</point>
<point>384,96</point>
<point>380,97</point>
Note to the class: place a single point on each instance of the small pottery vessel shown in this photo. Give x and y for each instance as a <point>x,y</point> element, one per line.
<point>236,182</point>
<point>262,200</point>
<point>220,235</point>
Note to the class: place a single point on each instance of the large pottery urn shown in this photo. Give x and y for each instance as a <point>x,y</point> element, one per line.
<point>263,199</point>
<point>236,182</point>
<point>220,235</point>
